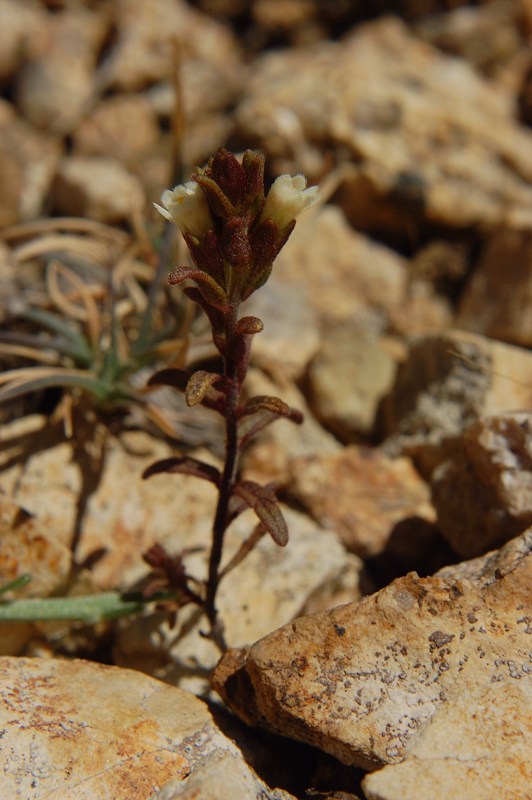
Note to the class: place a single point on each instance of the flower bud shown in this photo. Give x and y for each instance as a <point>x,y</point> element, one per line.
<point>186,206</point>
<point>287,197</point>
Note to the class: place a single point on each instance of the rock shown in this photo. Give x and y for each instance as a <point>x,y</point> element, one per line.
<point>269,588</point>
<point>85,731</point>
<point>430,138</point>
<point>147,34</point>
<point>491,566</point>
<point>123,127</point>
<point>362,281</point>
<point>475,756</point>
<point>447,382</point>
<point>361,494</point>
<point>27,165</point>
<point>99,188</point>
<point>498,304</point>
<point>364,681</point>
<point>268,457</point>
<point>21,23</point>
<point>347,378</point>
<point>487,36</point>
<point>56,84</point>
<point>96,493</point>
<point>483,495</point>
<point>291,327</point>
<point>30,548</point>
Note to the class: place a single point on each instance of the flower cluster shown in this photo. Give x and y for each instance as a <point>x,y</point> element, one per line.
<point>232,230</point>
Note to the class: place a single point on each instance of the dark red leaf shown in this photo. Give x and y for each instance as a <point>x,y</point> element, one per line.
<point>185,465</point>
<point>263,501</point>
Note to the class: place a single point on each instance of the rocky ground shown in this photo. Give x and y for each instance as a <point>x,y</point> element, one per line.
<point>383,654</point>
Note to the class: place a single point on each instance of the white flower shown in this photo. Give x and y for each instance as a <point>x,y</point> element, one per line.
<point>187,207</point>
<point>287,197</point>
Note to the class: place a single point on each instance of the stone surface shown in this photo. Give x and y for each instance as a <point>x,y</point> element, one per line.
<point>347,378</point>
<point>361,494</point>
<point>27,165</point>
<point>364,680</point>
<point>99,188</point>
<point>147,35</point>
<point>269,456</point>
<point>124,127</point>
<point>483,494</point>
<point>432,140</point>
<point>56,83</point>
<point>475,756</point>
<point>84,731</point>
<point>497,302</point>
<point>269,588</point>
<point>21,23</point>
<point>447,381</point>
<point>341,274</point>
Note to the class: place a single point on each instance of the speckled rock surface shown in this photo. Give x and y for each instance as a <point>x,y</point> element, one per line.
<point>362,681</point>
<point>446,382</point>
<point>84,731</point>
<point>386,98</point>
<point>483,494</point>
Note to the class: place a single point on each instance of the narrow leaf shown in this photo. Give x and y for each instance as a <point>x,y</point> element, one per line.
<point>198,386</point>
<point>91,608</point>
<point>186,465</point>
<point>264,402</point>
<point>211,291</point>
<point>263,501</point>
<point>18,583</point>
<point>259,412</point>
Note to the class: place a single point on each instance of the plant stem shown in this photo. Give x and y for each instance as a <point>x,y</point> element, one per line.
<point>226,483</point>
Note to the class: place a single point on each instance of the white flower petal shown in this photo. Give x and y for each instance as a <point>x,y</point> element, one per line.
<point>287,197</point>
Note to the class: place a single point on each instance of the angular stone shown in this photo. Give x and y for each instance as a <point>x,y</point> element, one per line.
<point>269,588</point>
<point>99,188</point>
<point>269,456</point>
<point>81,731</point>
<point>476,747</point>
<point>347,378</point>
<point>341,274</point>
<point>146,33</point>
<point>447,381</point>
<point>362,681</point>
<point>361,494</point>
<point>430,138</point>
<point>56,83</point>
<point>487,305</point>
<point>123,127</point>
<point>21,23</point>
<point>28,162</point>
<point>483,494</point>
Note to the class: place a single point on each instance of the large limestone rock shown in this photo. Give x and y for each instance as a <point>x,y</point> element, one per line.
<point>363,681</point>
<point>84,731</point>
<point>446,382</point>
<point>483,494</point>
<point>475,756</point>
<point>361,494</point>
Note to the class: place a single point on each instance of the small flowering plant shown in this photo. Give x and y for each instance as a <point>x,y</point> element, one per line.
<point>233,232</point>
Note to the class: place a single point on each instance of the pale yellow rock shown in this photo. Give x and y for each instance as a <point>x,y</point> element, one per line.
<point>498,302</point>
<point>84,731</point>
<point>100,188</point>
<point>483,494</point>
<point>446,382</point>
<point>361,494</point>
<point>364,680</point>
<point>477,747</point>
